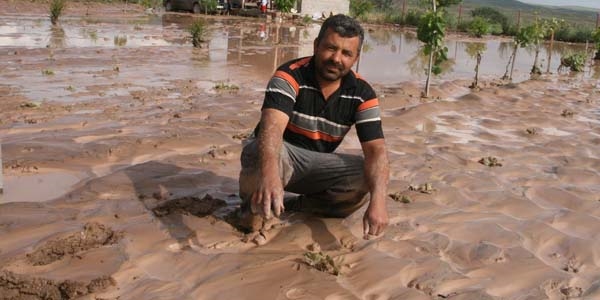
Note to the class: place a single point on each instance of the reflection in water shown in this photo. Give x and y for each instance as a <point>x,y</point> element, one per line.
<point>57,37</point>
<point>388,56</point>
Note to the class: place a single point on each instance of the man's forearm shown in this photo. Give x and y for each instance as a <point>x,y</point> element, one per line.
<point>269,148</point>
<point>377,172</point>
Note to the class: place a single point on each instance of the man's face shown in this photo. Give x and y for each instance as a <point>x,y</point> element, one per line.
<point>335,55</point>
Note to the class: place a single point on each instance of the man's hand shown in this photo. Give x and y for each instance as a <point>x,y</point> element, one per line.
<point>269,195</point>
<point>377,176</point>
<point>375,219</point>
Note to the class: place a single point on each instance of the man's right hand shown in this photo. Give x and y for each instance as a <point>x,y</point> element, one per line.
<point>268,196</point>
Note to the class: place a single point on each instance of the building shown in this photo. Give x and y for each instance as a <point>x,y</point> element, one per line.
<point>317,9</point>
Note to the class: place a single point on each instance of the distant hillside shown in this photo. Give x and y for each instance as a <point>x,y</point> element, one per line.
<point>573,15</point>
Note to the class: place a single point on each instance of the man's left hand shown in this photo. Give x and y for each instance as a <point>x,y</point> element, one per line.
<point>375,219</point>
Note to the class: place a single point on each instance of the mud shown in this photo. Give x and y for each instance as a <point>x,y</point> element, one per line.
<point>93,235</point>
<point>14,286</point>
<point>199,207</point>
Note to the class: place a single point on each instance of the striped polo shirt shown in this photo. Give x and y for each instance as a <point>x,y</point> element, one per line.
<point>316,123</point>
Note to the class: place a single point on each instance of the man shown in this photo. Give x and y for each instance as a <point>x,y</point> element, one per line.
<point>310,104</point>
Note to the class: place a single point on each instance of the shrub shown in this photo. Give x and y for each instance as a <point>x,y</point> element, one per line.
<point>575,61</point>
<point>56,8</point>
<point>479,27</point>
<point>359,8</point>
<point>285,5</point>
<point>413,18</point>
<point>198,32</point>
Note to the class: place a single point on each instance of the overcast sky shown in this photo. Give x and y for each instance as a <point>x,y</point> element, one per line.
<point>584,3</point>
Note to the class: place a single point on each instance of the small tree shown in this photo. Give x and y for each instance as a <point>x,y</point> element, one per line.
<point>575,62</point>
<point>285,5</point>
<point>522,39</point>
<point>478,27</point>
<point>596,38</point>
<point>359,8</point>
<point>198,32</point>
<point>431,31</point>
<point>56,9</point>
<point>551,27</point>
<point>475,50</point>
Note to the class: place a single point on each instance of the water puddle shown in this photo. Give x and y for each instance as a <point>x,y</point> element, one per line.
<point>39,187</point>
<point>389,55</point>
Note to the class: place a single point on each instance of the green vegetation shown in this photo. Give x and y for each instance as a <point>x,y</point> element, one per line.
<point>596,39</point>
<point>323,262</point>
<point>198,32</point>
<point>475,50</point>
<point>47,72</point>
<point>56,9</point>
<point>478,27</point>
<point>431,31</point>
<point>359,8</point>
<point>575,62</point>
<point>285,5</point>
<point>120,40</point>
<point>221,86</point>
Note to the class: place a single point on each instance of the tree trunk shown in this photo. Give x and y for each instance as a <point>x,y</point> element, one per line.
<point>512,68</point>
<point>535,70</point>
<point>427,83</point>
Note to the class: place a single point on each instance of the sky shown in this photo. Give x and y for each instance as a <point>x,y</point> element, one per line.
<point>584,3</point>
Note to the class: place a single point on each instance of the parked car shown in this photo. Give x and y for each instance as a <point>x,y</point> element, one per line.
<point>195,6</point>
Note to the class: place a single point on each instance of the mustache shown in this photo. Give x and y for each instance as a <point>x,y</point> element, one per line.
<point>333,64</point>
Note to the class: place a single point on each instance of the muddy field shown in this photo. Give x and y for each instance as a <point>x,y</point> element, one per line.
<point>120,168</point>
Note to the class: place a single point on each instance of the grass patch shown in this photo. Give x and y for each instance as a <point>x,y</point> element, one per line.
<point>56,9</point>
<point>221,86</point>
<point>120,40</point>
<point>47,72</point>
<point>323,262</point>
<point>198,32</point>
<point>490,161</point>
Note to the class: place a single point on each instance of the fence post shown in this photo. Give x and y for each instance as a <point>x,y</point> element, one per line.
<point>597,20</point>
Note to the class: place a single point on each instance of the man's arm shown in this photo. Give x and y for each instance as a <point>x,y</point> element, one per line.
<point>377,174</point>
<point>269,194</point>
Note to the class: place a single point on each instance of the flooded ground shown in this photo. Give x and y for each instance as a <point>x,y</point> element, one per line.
<point>389,56</point>
<point>121,145</point>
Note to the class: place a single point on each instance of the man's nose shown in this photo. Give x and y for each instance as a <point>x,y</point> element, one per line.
<point>336,57</point>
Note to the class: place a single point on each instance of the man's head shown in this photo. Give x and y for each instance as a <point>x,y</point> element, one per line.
<point>337,47</point>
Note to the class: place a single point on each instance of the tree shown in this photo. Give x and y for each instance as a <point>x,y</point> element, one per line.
<point>284,5</point>
<point>596,38</point>
<point>431,31</point>
<point>492,16</point>
<point>551,27</point>
<point>359,8</point>
<point>479,27</point>
<point>475,50</point>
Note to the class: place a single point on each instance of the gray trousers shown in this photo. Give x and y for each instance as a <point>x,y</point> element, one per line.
<point>330,184</point>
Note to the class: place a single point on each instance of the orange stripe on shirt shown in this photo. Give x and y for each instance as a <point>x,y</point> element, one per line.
<point>313,135</point>
<point>368,104</point>
<point>299,63</point>
<point>287,77</point>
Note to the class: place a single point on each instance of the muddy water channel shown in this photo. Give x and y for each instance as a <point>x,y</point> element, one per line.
<point>258,46</point>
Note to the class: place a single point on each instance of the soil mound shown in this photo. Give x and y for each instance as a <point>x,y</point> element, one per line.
<point>93,235</point>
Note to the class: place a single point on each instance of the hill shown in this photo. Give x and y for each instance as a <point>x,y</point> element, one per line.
<point>511,8</point>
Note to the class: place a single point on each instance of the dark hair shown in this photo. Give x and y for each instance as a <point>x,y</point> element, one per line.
<point>343,25</point>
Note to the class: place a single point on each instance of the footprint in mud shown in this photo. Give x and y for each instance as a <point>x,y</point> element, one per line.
<point>93,235</point>
<point>16,286</point>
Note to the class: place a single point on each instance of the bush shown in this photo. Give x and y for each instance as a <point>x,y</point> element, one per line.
<point>198,31</point>
<point>359,8</point>
<point>284,5</point>
<point>56,8</point>
<point>491,15</point>
<point>412,18</point>
<point>575,61</point>
<point>478,27</point>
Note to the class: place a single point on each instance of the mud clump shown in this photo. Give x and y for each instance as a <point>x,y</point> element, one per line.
<point>93,235</point>
<point>199,207</point>
<point>15,286</point>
